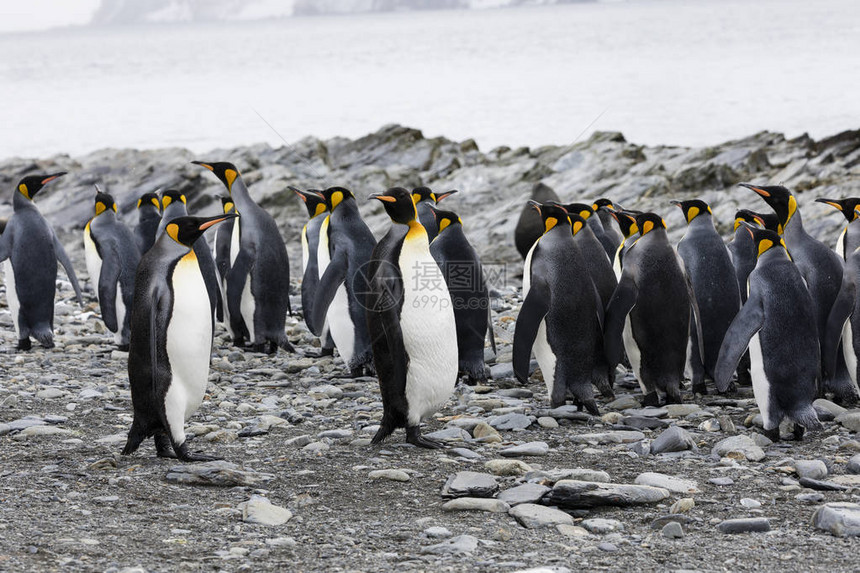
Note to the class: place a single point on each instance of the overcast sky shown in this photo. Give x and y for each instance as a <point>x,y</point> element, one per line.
<point>20,15</point>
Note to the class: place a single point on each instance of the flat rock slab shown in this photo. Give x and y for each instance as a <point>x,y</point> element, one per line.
<point>511,421</point>
<point>529,449</point>
<point>39,431</point>
<point>821,485</point>
<point>623,403</point>
<point>459,545</point>
<point>218,473</point>
<point>576,494</point>
<point>644,423</point>
<point>841,519</point>
<point>393,475</point>
<point>681,410</point>
<point>261,511</point>
<point>450,435</point>
<point>673,484</point>
<point>507,467</point>
<point>477,504</point>
<point>556,475</point>
<point>673,439</point>
<point>740,445</point>
<point>649,412</point>
<point>525,493</point>
<point>600,526</point>
<point>752,525</point>
<point>567,412</point>
<point>470,484</point>
<point>619,437</point>
<point>532,516</point>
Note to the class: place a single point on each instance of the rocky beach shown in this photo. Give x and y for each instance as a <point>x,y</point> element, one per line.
<point>693,487</point>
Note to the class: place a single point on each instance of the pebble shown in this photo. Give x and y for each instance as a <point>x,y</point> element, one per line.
<point>547,422</point>
<point>511,421</point>
<point>681,410</point>
<point>850,420</point>
<point>835,409</point>
<point>533,516</point>
<point>470,484</point>
<point>51,393</point>
<point>649,412</point>
<point>507,467</point>
<point>335,434</point>
<point>261,511</point>
<point>623,403</point>
<point>568,412</point>
<point>476,504</point>
<point>217,473</point>
<point>26,422</point>
<point>841,519</point>
<point>721,481</point>
<point>617,437</point>
<point>465,423</point>
<point>459,545</point>
<point>574,494</point>
<point>438,532</point>
<point>810,497</point>
<point>39,431</point>
<point>683,505</point>
<point>601,526</point>
<point>525,493</point>
<point>813,469</point>
<point>607,547</point>
<point>750,503</point>
<point>316,448</point>
<point>393,475</point>
<point>571,530</point>
<point>528,449</point>
<point>853,466</point>
<point>5,429</point>
<point>450,435</point>
<point>466,453</point>
<point>673,439</point>
<point>750,525</point>
<point>486,433</point>
<point>671,483</point>
<point>742,445</point>
<point>672,530</point>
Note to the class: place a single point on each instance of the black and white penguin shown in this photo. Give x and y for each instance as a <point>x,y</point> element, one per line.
<point>819,266</point>
<point>614,237</point>
<point>30,250</point>
<point>593,251</point>
<point>530,226</point>
<point>424,198</point>
<point>112,256</point>
<point>345,247</point>
<point>715,286</point>
<point>464,275</point>
<point>221,255</point>
<point>843,324</point>
<point>626,223</point>
<point>560,316</point>
<point>411,315</point>
<point>775,323</point>
<point>148,220</point>
<point>742,247</point>
<point>849,238</point>
<point>316,206</point>
<point>173,205</point>
<point>258,283</point>
<point>171,340</point>
<point>650,313</point>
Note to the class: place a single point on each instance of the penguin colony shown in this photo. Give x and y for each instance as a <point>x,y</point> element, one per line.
<point>773,308</point>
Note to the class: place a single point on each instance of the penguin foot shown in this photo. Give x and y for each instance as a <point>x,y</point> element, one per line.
<point>163,447</point>
<point>183,454</point>
<point>122,347</point>
<point>24,344</point>
<point>322,353</point>
<point>700,388</point>
<point>414,437</point>
<point>798,432</point>
<point>651,399</point>
<point>772,434</point>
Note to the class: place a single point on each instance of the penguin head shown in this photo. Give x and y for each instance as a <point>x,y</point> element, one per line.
<point>104,202</point>
<point>398,204</point>
<point>313,199</point>
<point>149,199</point>
<point>552,214</point>
<point>692,209</point>
<point>426,194</point>
<point>32,184</point>
<point>583,210</point>
<point>846,206</point>
<point>626,222</point>
<point>227,205</point>
<point>780,200</point>
<point>648,222</point>
<point>445,219</point>
<point>334,196</point>
<point>186,230</point>
<point>577,222</point>
<point>225,171</point>
<point>764,220</point>
<point>765,240</point>
<point>604,203</point>
<point>171,196</point>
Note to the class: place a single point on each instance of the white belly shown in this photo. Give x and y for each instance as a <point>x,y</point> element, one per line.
<point>848,351</point>
<point>94,262</point>
<point>12,295</point>
<point>761,385</point>
<point>527,270</point>
<point>305,249</point>
<point>247,307</point>
<point>339,322</point>
<point>616,262</point>
<point>119,305</point>
<point>545,357</point>
<point>429,331</point>
<point>840,245</point>
<point>633,353</point>
<point>189,345</point>
<point>234,242</point>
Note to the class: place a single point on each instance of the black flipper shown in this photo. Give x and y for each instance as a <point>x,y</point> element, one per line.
<point>108,278</point>
<point>842,309</point>
<point>622,302</point>
<point>533,311</point>
<point>4,246</point>
<point>490,332</point>
<point>60,252</point>
<point>333,277</point>
<point>746,323</point>
<point>239,273</point>
<point>696,318</point>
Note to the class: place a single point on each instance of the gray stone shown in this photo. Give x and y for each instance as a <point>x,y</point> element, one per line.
<point>813,469</point>
<point>681,410</point>
<point>316,448</point>
<point>810,497</point>
<point>600,526</point>
<point>750,503</point>
<point>261,511</point>
<point>673,439</point>
<point>532,516</point>
<point>507,467</point>
<point>835,409</point>
<point>575,494</point>
<point>51,393</point>
<point>521,393</point>
<point>742,445</point>
<point>5,429</point>
<point>437,532</point>
<point>529,449</point>
<point>661,521</point>
<point>465,423</point>
<point>581,474</point>
<point>672,530</point>
<point>671,483</point>
<point>393,475</point>
<point>607,547</point>
<point>325,391</point>
<point>466,453</point>
<point>502,371</point>
<point>217,473</point>
<point>751,525</point>
<point>512,421</point>
<point>299,441</point>
<point>618,437</point>
<point>547,422</point>
<point>821,485</point>
<point>850,420</point>
<point>525,493</point>
<point>470,484</point>
<point>643,422</point>
<point>459,545</point>
<point>648,412</point>
<point>623,403</point>
<point>721,481</point>
<point>40,431</point>
<point>450,435</point>
<point>853,466</point>
<point>335,434</point>
<point>26,422</point>
<point>476,504</point>
<point>841,519</point>
<point>568,412</point>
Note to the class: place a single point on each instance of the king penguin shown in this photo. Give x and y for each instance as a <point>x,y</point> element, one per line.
<point>775,323</point>
<point>843,324</point>
<point>560,316</point>
<point>148,220</point>
<point>819,266</point>
<point>112,256</point>
<point>412,318</point>
<point>627,227</point>
<point>530,227</point>
<point>345,247</point>
<point>316,207</point>
<point>464,275</point>
<point>221,255</point>
<point>849,238</point>
<point>30,249</point>
<point>593,251</point>
<point>173,205</point>
<point>614,237</point>
<point>424,199</point>
<point>715,286</point>
<point>650,313</point>
<point>171,340</point>
<point>258,283</point>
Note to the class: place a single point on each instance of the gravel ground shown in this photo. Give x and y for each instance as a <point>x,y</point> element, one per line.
<point>71,503</point>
